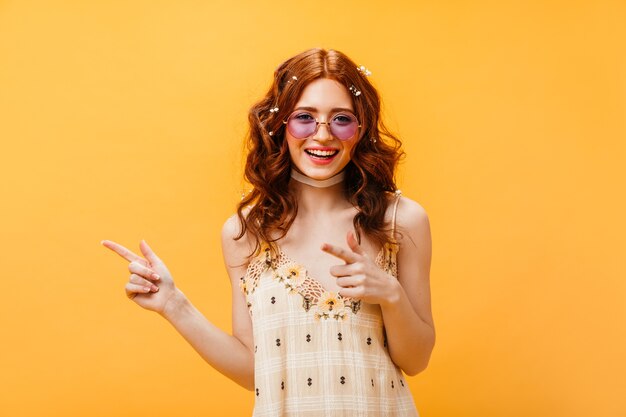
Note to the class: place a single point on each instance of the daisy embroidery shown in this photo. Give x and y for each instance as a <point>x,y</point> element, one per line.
<point>292,275</point>
<point>330,305</point>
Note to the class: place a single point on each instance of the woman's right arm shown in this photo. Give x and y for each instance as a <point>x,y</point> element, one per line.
<point>231,355</point>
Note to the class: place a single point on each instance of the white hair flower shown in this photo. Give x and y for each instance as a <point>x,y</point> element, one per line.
<point>364,70</point>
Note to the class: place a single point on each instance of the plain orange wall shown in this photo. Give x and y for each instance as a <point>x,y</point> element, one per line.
<point>124,120</point>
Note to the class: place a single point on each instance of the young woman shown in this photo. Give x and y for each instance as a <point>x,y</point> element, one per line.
<point>329,265</point>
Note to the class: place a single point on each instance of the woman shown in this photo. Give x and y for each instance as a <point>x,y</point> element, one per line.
<point>329,265</point>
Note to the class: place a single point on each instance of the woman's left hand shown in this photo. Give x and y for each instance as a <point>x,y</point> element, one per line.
<point>360,278</point>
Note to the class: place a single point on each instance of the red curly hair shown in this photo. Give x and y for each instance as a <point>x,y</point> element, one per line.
<point>369,178</point>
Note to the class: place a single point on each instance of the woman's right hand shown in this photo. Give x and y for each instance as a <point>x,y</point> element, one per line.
<point>150,284</point>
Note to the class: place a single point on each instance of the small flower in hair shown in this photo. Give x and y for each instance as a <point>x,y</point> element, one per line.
<point>274,110</point>
<point>364,70</point>
<point>354,90</point>
<point>270,133</point>
<point>294,78</point>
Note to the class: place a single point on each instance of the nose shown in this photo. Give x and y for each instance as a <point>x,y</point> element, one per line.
<point>322,133</point>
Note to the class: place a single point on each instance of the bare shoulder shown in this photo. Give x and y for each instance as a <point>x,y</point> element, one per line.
<point>235,250</point>
<point>410,213</point>
<point>412,219</point>
<point>231,228</point>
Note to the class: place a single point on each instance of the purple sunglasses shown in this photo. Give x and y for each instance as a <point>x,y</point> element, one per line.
<point>301,125</point>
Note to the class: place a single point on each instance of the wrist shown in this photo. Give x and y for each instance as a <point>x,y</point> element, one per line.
<point>174,305</point>
<point>394,294</point>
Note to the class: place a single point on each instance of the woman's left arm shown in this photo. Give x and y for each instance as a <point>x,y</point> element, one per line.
<point>405,302</point>
<point>407,310</point>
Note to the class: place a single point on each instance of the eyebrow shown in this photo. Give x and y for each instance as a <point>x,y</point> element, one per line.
<point>314,110</point>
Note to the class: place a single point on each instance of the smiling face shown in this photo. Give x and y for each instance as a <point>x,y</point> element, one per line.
<point>321,155</point>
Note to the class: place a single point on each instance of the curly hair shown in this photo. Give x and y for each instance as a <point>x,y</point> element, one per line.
<point>369,179</point>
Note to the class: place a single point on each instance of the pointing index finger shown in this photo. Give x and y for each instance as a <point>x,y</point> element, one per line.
<point>123,252</point>
<point>348,256</point>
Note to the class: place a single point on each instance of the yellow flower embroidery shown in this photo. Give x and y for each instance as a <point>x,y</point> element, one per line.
<point>264,253</point>
<point>329,301</point>
<point>391,251</point>
<point>392,247</point>
<point>295,279</point>
<point>330,305</point>
<point>293,275</point>
<point>243,286</point>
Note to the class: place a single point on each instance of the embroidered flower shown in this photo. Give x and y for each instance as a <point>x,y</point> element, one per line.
<point>330,305</point>
<point>329,301</point>
<point>292,274</point>
<point>265,253</point>
<point>295,278</point>
<point>392,247</point>
<point>391,252</point>
<point>243,285</point>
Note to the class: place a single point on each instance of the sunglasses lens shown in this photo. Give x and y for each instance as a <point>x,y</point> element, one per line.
<point>342,126</point>
<point>301,128</point>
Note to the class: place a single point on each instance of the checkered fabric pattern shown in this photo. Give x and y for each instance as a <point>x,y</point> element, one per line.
<point>317,354</point>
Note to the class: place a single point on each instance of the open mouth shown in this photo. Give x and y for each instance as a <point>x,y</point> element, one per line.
<point>321,154</point>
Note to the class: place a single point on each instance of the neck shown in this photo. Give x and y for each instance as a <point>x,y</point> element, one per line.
<point>319,196</point>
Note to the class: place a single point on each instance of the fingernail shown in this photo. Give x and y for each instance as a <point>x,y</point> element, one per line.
<point>155,288</point>
<point>156,276</point>
<point>146,289</point>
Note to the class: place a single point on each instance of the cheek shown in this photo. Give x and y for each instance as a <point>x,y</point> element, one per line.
<point>348,148</point>
<point>294,146</point>
<point>291,144</point>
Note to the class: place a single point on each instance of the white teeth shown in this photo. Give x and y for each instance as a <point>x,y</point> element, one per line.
<point>320,153</point>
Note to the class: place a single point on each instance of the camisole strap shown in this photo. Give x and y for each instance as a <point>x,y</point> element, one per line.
<point>392,246</point>
<point>393,219</point>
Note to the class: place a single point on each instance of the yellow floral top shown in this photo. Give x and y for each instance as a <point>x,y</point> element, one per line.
<point>317,353</point>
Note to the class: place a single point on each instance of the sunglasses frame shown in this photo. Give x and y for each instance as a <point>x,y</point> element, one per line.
<point>318,123</point>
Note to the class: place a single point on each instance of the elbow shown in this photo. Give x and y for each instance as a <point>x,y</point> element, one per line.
<point>246,378</point>
<point>248,383</point>
<point>419,365</point>
<point>414,370</point>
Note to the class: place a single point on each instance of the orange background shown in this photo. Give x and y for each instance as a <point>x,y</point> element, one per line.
<point>124,120</point>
